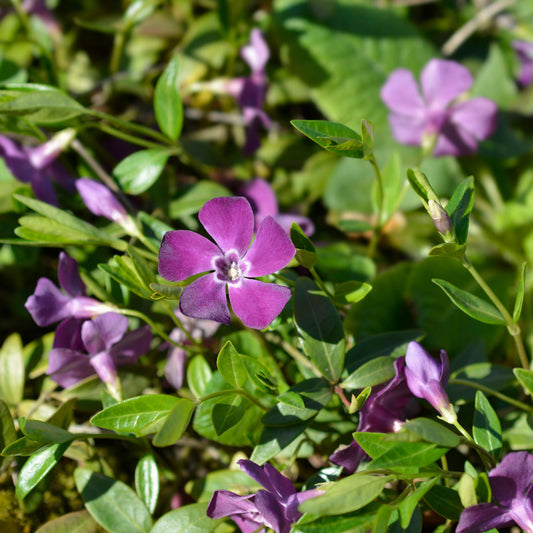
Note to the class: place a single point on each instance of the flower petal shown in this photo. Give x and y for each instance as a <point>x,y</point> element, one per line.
<point>206,298</point>
<point>455,140</point>
<point>225,503</point>
<point>348,457</point>
<point>134,344</point>
<point>443,81</point>
<point>43,189</point>
<point>291,511</point>
<point>68,334</point>
<point>184,253</point>
<point>401,95</point>
<point>478,116</point>
<point>512,478</point>
<point>67,367</point>
<point>230,221</point>
<point>16,160</point>
<point>271,512</point>
<point>271,250</point>
<point>407,130</point>
<point>483,517</point>
<point>69,276</point>
<point>421,365</point>
<point>47,304</point>
<point>285,220</point>
<point>256,52</point>
<point>100,200</point>
<point>175,367</point>
<point>103,331</point>
<point>257,303</point>
<point>105,367</point>
<point>261,197</point>
<point>270,478</point>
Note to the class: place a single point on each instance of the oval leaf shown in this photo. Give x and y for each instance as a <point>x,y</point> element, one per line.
<point>487,430</point>
<point>187,519</point>
<point>78,522</point>
<point>167,101</point>
<point>175,424</point>
<point>12,370</point>
<point>147,481</point>
<point>231,366</point>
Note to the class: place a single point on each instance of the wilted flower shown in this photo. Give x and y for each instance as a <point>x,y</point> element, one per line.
<point>231,263</point>
<point>437,117</point>
<point>524,52</point>
<point>383,412</point>
<point>510,483</point>
<point>275,508</point>
<point>427,379</point>
<point>38,166</point>
<point>48,304</point>
<point>264,203</point>
<point>102,347</point>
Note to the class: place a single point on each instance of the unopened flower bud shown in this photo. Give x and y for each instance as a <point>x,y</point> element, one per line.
<point>440,217</point>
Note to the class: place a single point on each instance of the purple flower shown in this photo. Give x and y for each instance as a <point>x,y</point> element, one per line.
<point>275,508</point>
<point>102,346</point>
<point>511,486</point>
<point>230,263</point>
<point>436,115</point>
<point>426,378</point>
<point>38,166</point>
<point>383,412</point>
<point>524,52</point>
<point>48,304</point>
<point>264,203</point>
<point>41,10</point>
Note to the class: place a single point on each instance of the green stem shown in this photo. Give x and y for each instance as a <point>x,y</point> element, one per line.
<point>512,327</point>
<point>178,323</point>
<point>381,198</point>
<point>240,392</point>
<point>320,283</point>
<point>285,280</point>
<point>485,456</point>
<point>126,137</point>
<point>118,49</point>
<point>151,323</point>
<point>113,436</point>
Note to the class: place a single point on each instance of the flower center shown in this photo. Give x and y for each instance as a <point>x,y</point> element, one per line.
<point>230,267</point>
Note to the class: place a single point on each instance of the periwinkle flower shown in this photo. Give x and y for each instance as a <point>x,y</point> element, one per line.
<point>38,166</point>
<point>42,11</point>
<point>275,508</point>
<point>438,116</point>
<point>383,412</point>
<point>427,378</point>
<point>48,304</point>
<point>511,487</point>
<point>230,264</point>
<point>524,52</point>
<point>264,203</point>
<point>103,345</point>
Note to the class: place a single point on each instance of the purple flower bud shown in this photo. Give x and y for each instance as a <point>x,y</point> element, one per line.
<point>524,52</point>
<point>440,217</point>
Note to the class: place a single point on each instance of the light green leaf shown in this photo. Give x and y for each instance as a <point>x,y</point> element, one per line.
<point>231,366</point>
<point>8,434</point>
<point>415,454</point>
<point>195,198</point>
<point>350,292</point>
<point>305,249</point>
<point>407,506</point>
<point>372,373</point>
<point>147,481</point>
<point>77,522</point>
<point>175,424</point>
<point>188,519</point>
<point>12,370</point>
<point>487,430</point>
<point>167,101</point>
<point>198,375</point>
<point>517,311</point>
<point>525,377</point>
<point>431,431</point>
<point>44,432</point>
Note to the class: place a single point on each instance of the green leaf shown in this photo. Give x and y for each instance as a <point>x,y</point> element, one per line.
<point>467,490</point>
<point>412,454</point>
<point>147,481</point>
<point>231,366</point>
<point>332,136</point>
<point>348,494</point>
<point>273,440</point>
<point>8,434</point>
<point>449,249</point>
<point>122,269</point>
<point>37,466</point>
<point>77,522</point>
<point>320,329</point>
<point>367,136</point>
<point>355,522</point>
<point>392,178</point>
<point>175,424</point>
<point>12,370</point>
<point>372,373</point>
<point>459,208</point>
<point>444,501</point>
<point>112,503</point>
<point>139,171</point>
<point>350,292</point>
<point>407,506</point>
<point>43,432</point>
<point>187,519</point>
<point>470,304</point>
<point>381,522</point>
<point>167,101</point>
<point>198,375</point>
<point>421,186</point>
<point>526,379</point>
<point>141,415</point>
<point>431,431</point>
<point>487,430</point>
<point>195,198</point>
<point>23,447</point>
<point>373,443</point>
<point>305,249</point>
<point>517,311</point>
<point>227,413</point>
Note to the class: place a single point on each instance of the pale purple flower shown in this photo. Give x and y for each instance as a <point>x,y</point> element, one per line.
<point>384,411</point>
<point>416,119</point>
<point>524,52</point>
<point>231,263</point>
<point>103,345</point>
<point>41,10</point>
<point>38,166</point>
<point>264,203</point>
<point>48,304</point>
<point>427,378</point>
<point>275,508</point>
<point>511,486</point>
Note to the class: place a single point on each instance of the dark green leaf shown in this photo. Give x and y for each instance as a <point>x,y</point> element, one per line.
<point>147,481</point>
<point>231,366</point>
<point>444,501</point>
<point>487,430</point>
<point>517,311</point>
<point>187,519</point>
<point>226,413</point>
<point>372,373</point>
<point>44,432</point>
<point>407,506</point>
<point>275,439</point>
<point>459,208</point>
<point>77,522</point>
<point>23,447</point>
<point>167,101</point>
<point>305,249</point>
<point>175,424</point>
<point>12,370</point>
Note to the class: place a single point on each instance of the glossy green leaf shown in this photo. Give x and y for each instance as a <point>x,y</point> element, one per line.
<point>122,269</point>
<point>141,415</point>
<point>195,198</point>
<point>44,432</point>
<point>274,440</point>
<point>115,506</point>
<point>351,292</point>
<point>175,423</point>
<point>407,505</point>
<point>12,370</point>
<point>231,366</point>
<point>517,311</point>
<point>431,431</point>
<point>355,522</point>
<point>320,329</point>
<point>187,519</point>
<point>373,443</point>
<point>467,491</point>
<point>444,501</point>
<point>470,304</point>
<point>411,454</point>
<point>23,447</point>
<point>487,430</point>
<point>227,413</point>
<point>147,481</point>
<point>459,208</point>
<point>8,434</point>
<point>525,377</point>
<point>372,373</point>
<point>139,171</point>
<point>77,522</point>
<point>167,101</point>
<point>332,136</point>
<point>198,375</point>
<point>305,249</point>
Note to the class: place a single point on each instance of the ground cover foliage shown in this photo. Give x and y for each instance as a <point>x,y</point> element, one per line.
<point>264,266</point>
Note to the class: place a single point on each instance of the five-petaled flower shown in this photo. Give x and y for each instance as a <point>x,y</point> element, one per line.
<point>230,263</point>
<point>102,346</point>
<point>437,118</point>
<point>427,378</point>
<point>275,508</point>
<point>511,487</point>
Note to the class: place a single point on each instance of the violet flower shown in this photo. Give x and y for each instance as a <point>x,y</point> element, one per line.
<point>104,346</point>
<point>426,378</point>
<point>264,203</point>
<point>41,10</point>
<point>48,304</point>
<point>230,263</point>
<point>437,118</point>
<point>384,411</point>
<point>38,166</point>
<point>524,52</point>
<point>275,508</point>
<point>511,486</point>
